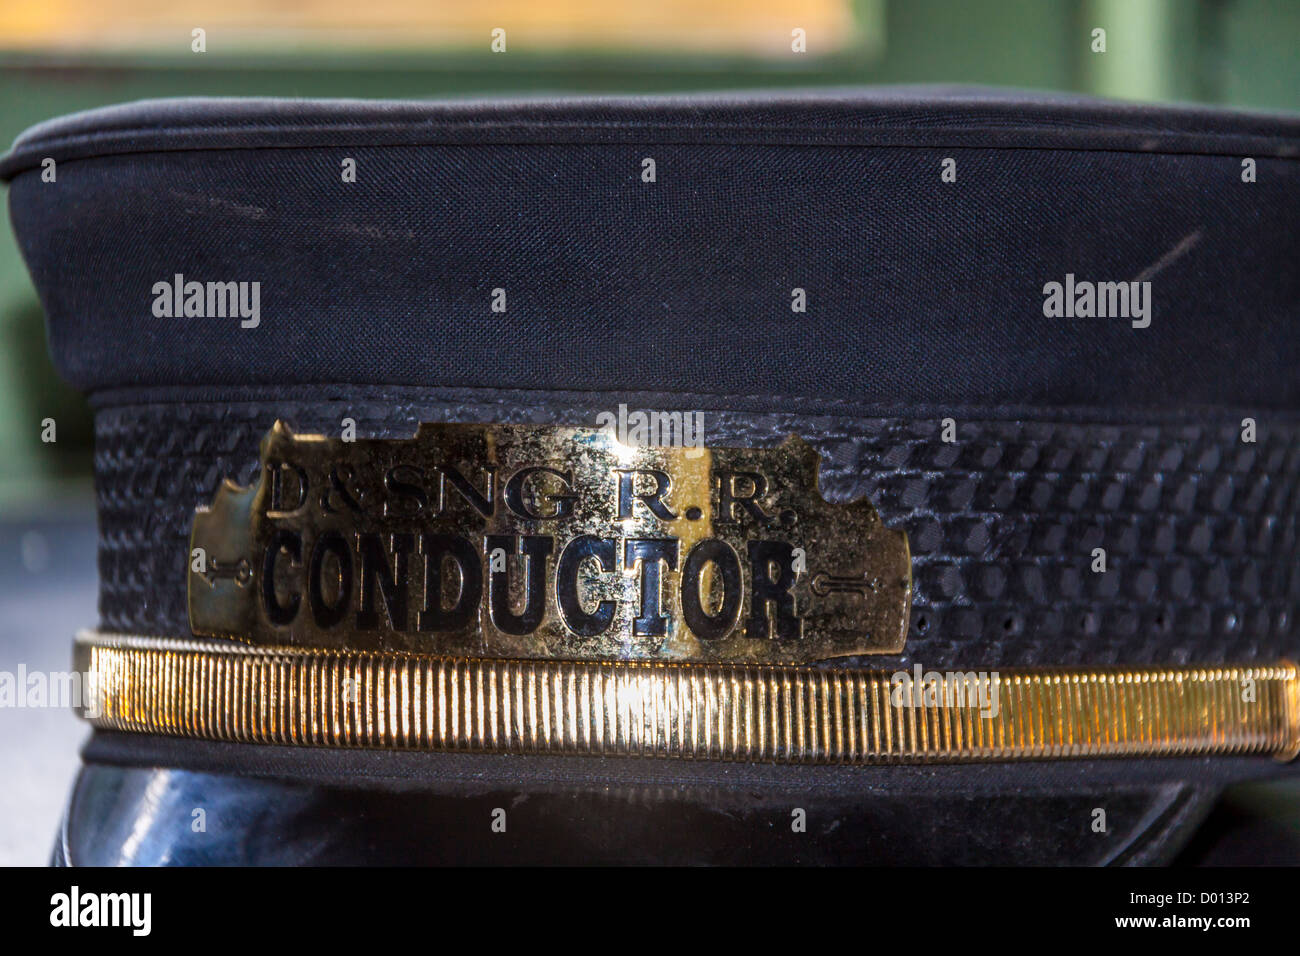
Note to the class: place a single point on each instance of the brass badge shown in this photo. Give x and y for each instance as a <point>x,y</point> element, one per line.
<point>538,541</point>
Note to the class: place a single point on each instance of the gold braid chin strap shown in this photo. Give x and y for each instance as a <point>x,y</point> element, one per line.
<point>786,714</point>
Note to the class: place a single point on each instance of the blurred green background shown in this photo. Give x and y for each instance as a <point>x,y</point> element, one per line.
<point>64,56</point>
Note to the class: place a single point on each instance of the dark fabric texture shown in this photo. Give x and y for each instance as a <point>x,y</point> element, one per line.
<point>1202,532</point>
<point>926,114</point>
<point>917,290</point>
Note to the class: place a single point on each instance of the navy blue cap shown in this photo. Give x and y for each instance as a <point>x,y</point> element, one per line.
<point>917,290</point>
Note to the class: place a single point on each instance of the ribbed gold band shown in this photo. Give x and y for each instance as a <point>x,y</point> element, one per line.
<point>324,698</point>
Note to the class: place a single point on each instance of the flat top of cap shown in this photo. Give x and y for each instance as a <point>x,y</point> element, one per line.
<point>900,115</point>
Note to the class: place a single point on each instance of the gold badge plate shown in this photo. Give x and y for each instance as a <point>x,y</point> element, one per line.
<point>539,541</point>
